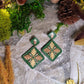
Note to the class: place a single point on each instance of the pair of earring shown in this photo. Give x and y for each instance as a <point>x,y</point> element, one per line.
<point>33,56</point>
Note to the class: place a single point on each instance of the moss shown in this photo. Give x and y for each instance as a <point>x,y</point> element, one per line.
<point>20,15</point>
<point>20,18</point>
<point>37,8</point>
<point>5,24</point>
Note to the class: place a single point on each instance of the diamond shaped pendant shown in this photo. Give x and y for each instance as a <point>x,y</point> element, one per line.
<point>33,56</point>
<point>51,49</point>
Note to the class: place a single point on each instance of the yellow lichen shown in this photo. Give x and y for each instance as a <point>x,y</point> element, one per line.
<point>5,25</point>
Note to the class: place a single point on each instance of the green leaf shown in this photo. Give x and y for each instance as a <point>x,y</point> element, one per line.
<point>30,1</point>
<point>59,25</point>
<point>20,15</point>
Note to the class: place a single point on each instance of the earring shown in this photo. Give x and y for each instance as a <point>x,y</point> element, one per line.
<point>51,49</point>
<point>33,56</point>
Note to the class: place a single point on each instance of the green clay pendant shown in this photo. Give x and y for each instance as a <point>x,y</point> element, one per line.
<point>33,56</point>
<point>51,49</point>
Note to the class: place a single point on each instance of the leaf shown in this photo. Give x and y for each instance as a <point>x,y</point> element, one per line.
<point>20,15</point>
<point>30,1</point>
<point>59,25</point>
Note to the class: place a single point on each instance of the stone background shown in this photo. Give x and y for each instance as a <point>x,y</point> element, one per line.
<point>47,72</point>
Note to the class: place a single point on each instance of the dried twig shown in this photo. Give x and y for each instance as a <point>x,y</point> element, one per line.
<point>8,65</point>
<point>3,74</point>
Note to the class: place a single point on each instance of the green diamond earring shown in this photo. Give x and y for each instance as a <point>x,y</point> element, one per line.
<point>51,49</point>
<point>33,56</point>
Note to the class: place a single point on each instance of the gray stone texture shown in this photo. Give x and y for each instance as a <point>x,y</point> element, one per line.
<point>47,72</point>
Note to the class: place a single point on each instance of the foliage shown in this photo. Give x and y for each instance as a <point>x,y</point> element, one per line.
<point>41,1</point>
<point>20,15</point>
<point>5,24</point>
<point>30,1</point>
<point>59,25</point>
<point>80,3</point>
<point>37,8</point>
<point>20,19</point>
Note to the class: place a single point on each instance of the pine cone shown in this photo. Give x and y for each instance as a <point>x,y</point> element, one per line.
<point>67,13</point>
